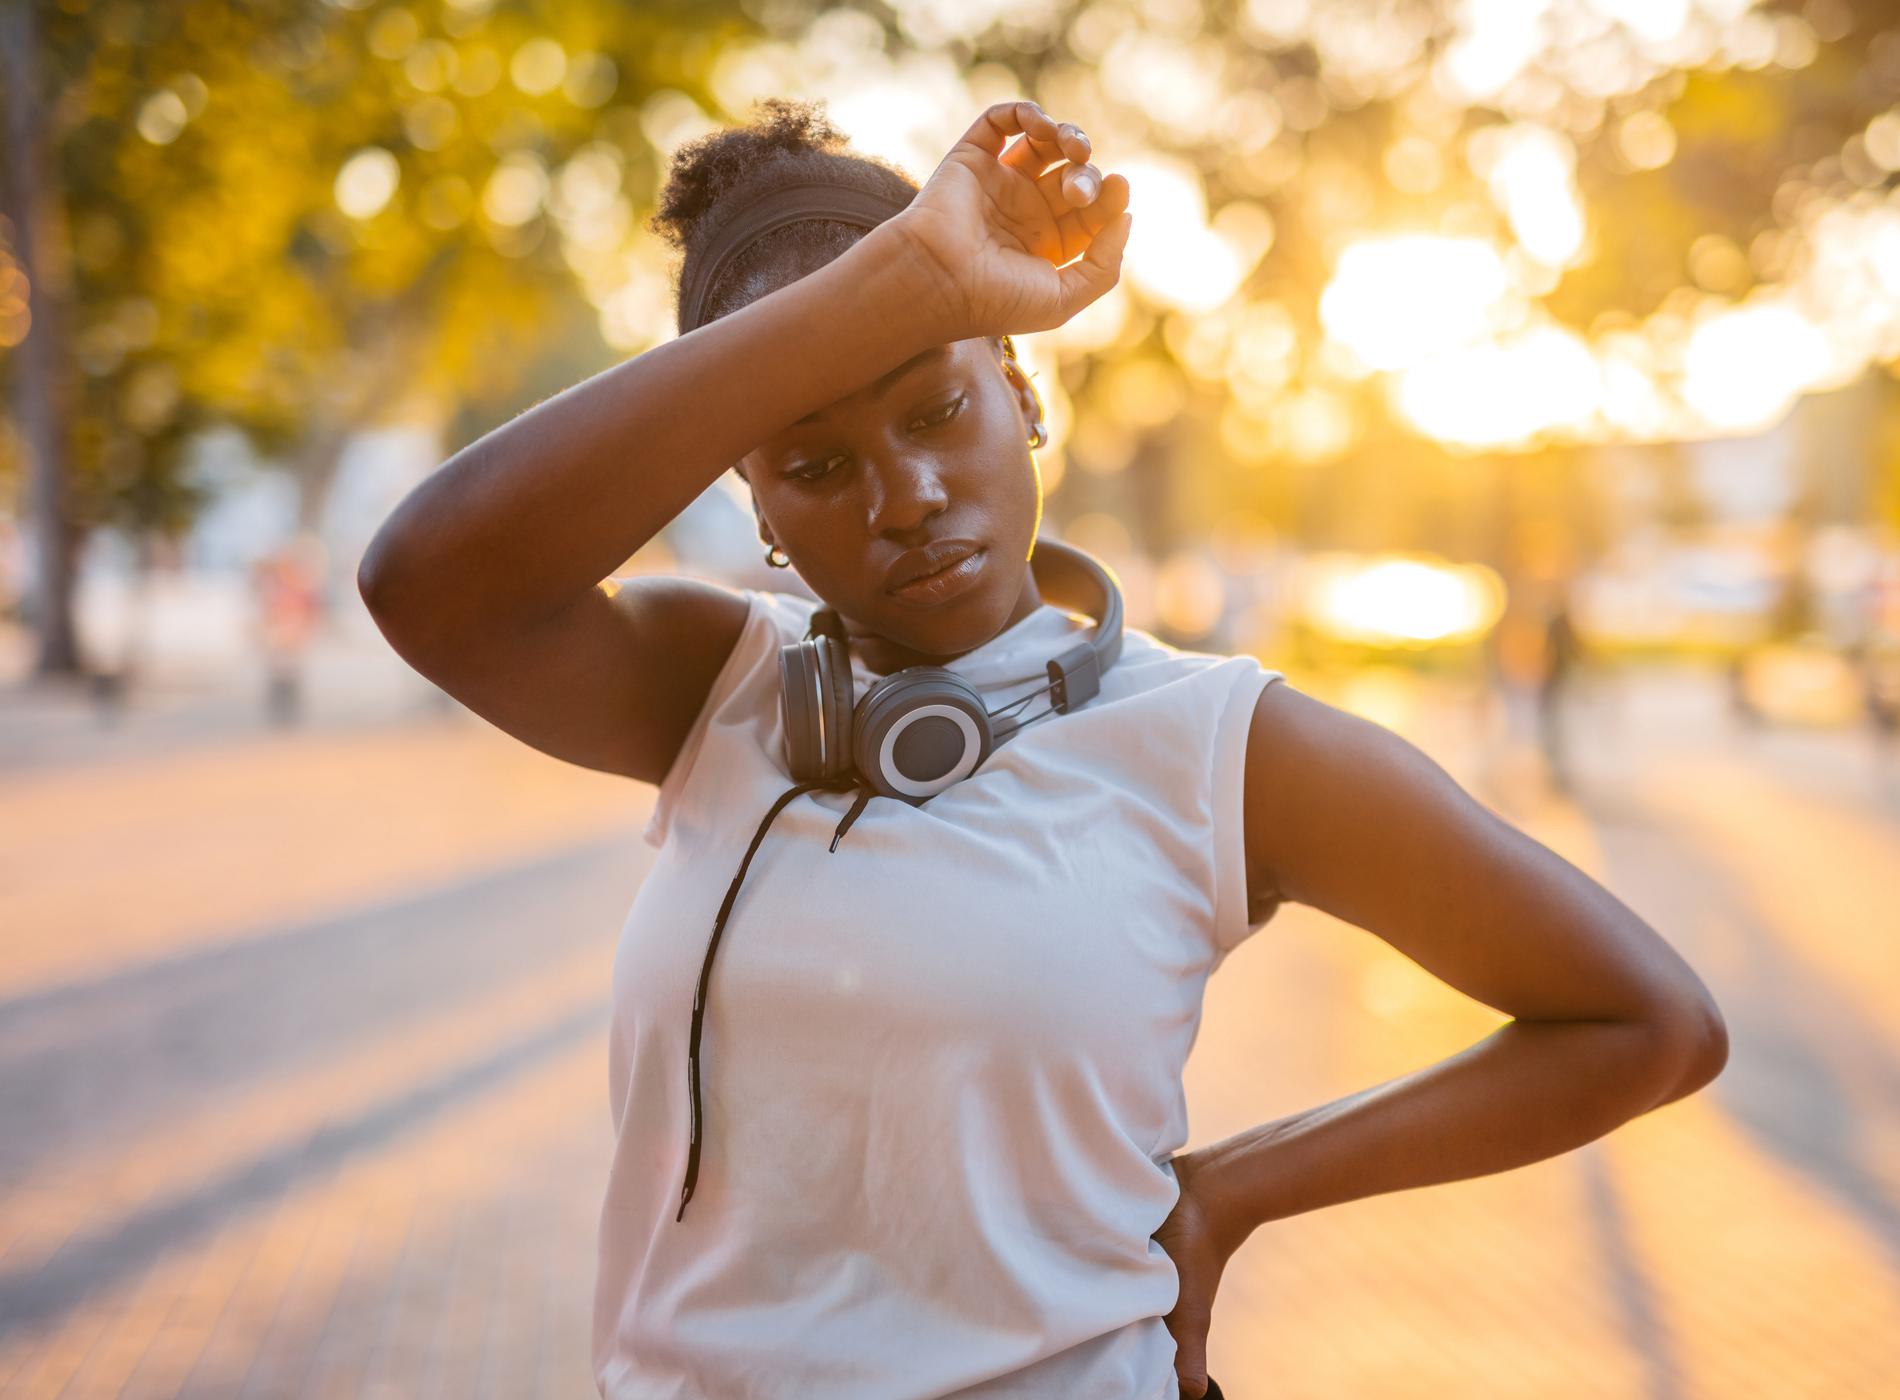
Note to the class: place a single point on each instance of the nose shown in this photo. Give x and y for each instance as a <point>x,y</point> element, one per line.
<point>907,490</point>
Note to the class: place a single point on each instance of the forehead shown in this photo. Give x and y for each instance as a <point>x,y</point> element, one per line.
<point>870,394</point>
<point>948,355</point>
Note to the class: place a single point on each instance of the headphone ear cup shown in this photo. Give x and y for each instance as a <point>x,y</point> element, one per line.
<point>919,730</point>
<point>815,687</point>
<point>837,691</point>
<point>798,723</point>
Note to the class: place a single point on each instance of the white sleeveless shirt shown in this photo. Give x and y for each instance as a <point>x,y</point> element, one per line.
<point>940,1067</point>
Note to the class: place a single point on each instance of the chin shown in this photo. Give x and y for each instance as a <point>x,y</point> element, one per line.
<point>954,627</point>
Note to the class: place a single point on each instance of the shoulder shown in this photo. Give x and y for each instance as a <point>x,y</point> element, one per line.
<point>1149,666</point>
<point>740,710</point>
<point>1188,716</point>
<point>772,620</point>
<point>1194,698</point>
<point>785,616</point>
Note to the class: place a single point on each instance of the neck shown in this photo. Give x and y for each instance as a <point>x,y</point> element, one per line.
<point>883,655</point>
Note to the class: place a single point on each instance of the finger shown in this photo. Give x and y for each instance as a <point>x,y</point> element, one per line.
<point>1065,192</point>
<point>1002,120</point>
<point>1190,1368</point>
<point>1070,187</point>
<point>1086,279</point>
<point>1034,154</point>
<point>1077,226</point>
<point>1190,1351</point>
<point>1042,215</point>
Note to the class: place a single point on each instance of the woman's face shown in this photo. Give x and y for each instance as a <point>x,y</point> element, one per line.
<point>937,450</point>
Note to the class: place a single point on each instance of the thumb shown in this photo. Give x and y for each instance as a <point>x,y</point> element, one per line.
<point>1192,1375</point>
<point>1190,1352</point>
<point>1098,269</point>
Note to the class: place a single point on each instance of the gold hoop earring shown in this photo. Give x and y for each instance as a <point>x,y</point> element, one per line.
<point>1040,437</point>
<point>772,549</point>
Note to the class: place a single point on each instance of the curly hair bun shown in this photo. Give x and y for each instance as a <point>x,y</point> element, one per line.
<point>786,140</point>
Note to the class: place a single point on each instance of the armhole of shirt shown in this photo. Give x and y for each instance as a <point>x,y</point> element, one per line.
<point>1231,926</point>
<point>739,663</point>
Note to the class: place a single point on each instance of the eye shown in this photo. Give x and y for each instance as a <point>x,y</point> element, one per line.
<point>810,475</point>
<point>806,474</point>
<point>947,412</point>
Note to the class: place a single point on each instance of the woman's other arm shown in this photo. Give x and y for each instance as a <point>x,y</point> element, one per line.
<point>1610,1022</point>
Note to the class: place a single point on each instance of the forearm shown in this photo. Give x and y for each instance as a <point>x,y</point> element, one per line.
<point>1530,1090</point>
<point>519,523</point>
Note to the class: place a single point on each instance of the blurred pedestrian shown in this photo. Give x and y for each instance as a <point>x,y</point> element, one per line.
<point>288,592</point>
<point>1562,653</point>
<point>1879,662</point>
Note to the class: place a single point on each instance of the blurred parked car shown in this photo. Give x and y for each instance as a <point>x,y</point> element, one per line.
<point>1802,680</point>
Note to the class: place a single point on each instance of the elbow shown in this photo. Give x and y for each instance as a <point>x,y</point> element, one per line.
<point>1693,1029</point>
<point>375,577</point>
<point>368,585</point>
<point>1712,1052</point>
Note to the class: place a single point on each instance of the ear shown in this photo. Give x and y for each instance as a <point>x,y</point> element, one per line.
<point>758,516</point>
<point>1018,378</point>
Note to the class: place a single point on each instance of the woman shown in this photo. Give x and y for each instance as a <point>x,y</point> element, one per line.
<point>941,1096</point>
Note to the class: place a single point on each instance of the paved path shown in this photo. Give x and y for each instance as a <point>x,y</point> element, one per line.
<point>302,1073</point>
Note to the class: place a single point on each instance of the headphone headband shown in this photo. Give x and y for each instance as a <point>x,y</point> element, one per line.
<point>1072,579</point>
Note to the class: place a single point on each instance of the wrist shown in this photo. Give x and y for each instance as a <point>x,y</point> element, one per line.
<point>1220,1176</point>
<point>913,282</point>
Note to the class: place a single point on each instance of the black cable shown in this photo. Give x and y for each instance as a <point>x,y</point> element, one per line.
<point>1020,700</point>
<point>843,783</point>
<point>705,971</point>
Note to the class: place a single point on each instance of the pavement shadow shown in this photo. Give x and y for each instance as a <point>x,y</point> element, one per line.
<point>1779,1087</point>
<point>102,1060</point>
<point>94,1263</point>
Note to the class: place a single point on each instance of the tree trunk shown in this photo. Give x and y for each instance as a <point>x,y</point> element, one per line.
<point>41,397</point>
<point>383,381</point>
<point>315,466</point>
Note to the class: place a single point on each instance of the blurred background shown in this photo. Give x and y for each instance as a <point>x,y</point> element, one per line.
<point>1521,374</point>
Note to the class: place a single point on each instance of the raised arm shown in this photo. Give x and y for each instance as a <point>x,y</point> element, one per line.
<point>519,523</point>
<point>488,577</point>
<point>525,520</point>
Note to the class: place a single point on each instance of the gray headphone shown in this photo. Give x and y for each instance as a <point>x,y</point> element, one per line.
<point>922,728</point>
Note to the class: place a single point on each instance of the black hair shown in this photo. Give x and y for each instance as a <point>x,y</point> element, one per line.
<point>786,139</point>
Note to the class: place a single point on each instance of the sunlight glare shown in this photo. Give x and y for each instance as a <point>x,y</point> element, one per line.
<point>1173,255</point>
<point>1394,302</point>
<point>1400,599</point>
<point>1744,366</point>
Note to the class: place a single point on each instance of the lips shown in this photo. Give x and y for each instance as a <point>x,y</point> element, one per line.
<point>951,581</point>
<point>931,559</point>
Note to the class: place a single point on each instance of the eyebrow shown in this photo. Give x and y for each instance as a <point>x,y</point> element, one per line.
<point>884,381</point>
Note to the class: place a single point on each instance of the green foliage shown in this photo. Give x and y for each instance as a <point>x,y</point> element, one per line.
<point>198,147</point>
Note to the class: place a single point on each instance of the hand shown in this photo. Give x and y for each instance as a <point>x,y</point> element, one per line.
<point>1200,1255</point>
<point>993,225</point>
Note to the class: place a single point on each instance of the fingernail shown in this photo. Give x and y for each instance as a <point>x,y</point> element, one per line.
<point>1086,184</point>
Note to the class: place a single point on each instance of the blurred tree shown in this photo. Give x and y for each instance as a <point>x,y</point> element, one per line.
<point>1352,119</point>
<point>302,218</point>
<point>299,217</point>
<point>35,266</point>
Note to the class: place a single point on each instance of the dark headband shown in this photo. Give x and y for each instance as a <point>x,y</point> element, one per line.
<point>807,199</point>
